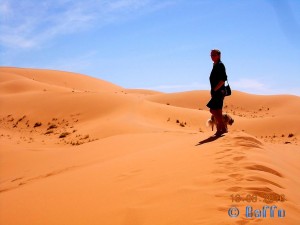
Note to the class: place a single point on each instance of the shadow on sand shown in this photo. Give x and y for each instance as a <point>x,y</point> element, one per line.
<point>210,139</point>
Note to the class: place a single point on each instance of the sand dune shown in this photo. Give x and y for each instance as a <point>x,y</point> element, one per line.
<point>78,150</point>
<point>76,82</point>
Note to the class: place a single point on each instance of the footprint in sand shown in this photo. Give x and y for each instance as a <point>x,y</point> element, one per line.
<point>238,158</point>
<point>264,169</point>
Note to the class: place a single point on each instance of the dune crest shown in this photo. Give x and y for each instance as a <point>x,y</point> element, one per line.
<point>79,150</point>
<point>61,79</point>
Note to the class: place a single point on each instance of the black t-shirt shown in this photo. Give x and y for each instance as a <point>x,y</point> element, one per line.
<point>217,74</point>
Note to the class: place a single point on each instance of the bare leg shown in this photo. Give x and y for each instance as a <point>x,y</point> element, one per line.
<point>222,127</point>
<point>219,121</point>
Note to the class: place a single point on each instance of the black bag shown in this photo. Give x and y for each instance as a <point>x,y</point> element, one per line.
<point>227,89</point>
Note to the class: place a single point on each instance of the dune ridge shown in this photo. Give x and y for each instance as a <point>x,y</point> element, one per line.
<point>78,150</point>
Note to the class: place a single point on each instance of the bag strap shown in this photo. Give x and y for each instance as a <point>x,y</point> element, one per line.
<point>227,81</point>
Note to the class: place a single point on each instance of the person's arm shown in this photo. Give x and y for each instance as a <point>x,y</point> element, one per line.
<point>222,76</point>
<point>219,85</point>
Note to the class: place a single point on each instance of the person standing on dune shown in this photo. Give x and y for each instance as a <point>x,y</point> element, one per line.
<point>217,82</point>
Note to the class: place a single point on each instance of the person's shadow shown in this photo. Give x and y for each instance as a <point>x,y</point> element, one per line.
<point>210,139</point>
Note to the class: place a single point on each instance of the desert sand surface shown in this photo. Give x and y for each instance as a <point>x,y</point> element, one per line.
<point>76,150</point>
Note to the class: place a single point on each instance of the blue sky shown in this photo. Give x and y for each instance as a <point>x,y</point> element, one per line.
<point>158,44</point>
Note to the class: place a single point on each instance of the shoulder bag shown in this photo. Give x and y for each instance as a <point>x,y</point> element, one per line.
<point>227,89</point>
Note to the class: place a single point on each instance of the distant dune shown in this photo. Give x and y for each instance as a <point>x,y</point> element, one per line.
<point>80,150</point>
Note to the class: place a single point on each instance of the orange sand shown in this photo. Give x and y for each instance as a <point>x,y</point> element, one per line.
<point>79,150</point>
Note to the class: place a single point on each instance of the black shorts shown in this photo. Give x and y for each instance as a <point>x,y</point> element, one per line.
<point>216,102</point>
